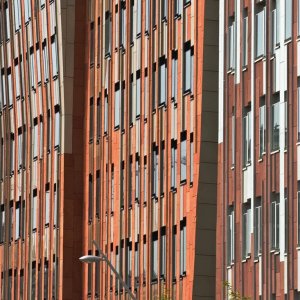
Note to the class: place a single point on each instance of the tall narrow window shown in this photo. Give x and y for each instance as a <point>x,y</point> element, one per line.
<point>46,278</point>
<point>298,217</point>
<point>138,94</point>
<point>174,251</point>
<point>173,163</point>
<point>18,220</point>
<point>17,14</point>
<point>245,38</point>
<point>34,210</point>
<point>188,67</point>
<point>275,221</point>
<point>7,23</point>
<point>112,188</point>
<point>2,223</point>
<point>285,120</point>
<point>38,64</point>
<point>32,68</point>
<point>122,31</point>
<point>117,105</point>
<point>154,87</point>
<point>128,265</point>
<point>262,127</point>
<point>131,21</point>
<point>98,194</point>
<point>145,180</point>
<point>147,16</point>
<point>288,18</point>
<point>107,33</point>
<point>91,118</point>
<point>183,158</point>
<point>153,2</point>
<point>154,257</point>
<point>17,79</point>
<point>257,227</point>
<point>144,259</point>
<point>12,153</point>
<point>90,197</point>
<point>231,44</point>
<point>260,31</point>
<point>164,10</point>
<point>137,178</point>
<point>178,7</point>
<point>247,132</point>
<point>47,205</point>
<point>139,18</point>
<point>55,56</point>
<point>275,24</point>
<point>136,265</point>
<point>163,252</point>
<point>155,162</point>
<point>27,10</point>
<point>174,75</point>
<point>183,247</point>
<point>230,235</point>
<point>57,126</point>
<point>275,123</point>
<point>92,44</point>
<point>122,184</point>
<point>233,137</point>
<point>46,62</point>
<point>246,221</point>
<point>98,118</point>
<point>11,221</point>
<point>106,113</point>
<point>298,102</point>
<point>191,158</point>
<point>130,189</point>
<point>162,80</point>
<point>162,168</point>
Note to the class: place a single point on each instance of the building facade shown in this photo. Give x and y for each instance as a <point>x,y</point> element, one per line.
<point>258,180</point>
<point>108,113</point>
<point>151,147</point>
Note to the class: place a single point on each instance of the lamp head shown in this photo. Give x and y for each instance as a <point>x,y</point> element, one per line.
<point>90,259</point>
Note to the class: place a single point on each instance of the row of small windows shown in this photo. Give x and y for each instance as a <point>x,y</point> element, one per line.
<point>258,225</point>
<point>128,253</point>
<point>134,110</point>
<point>10,285</point>
<point>260,31</point>
<point>262,119</point>
<point>157,175</point>
<point>14,216</point>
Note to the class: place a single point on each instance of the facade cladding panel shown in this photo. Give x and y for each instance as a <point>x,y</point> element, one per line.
<point>108,114</point>
<point>151,147</point>
<point>258,179</point>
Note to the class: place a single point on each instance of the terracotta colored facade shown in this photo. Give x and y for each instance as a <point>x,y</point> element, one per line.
<point>258,169</point>
<point>150,177</point>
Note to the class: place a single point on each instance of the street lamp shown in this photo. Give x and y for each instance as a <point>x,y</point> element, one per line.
<point>102,257</point>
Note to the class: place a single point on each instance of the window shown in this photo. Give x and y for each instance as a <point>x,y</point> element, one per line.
<point>163,252</point>
<point>57,126</point>
<point>162,167</point>
<point>260,32</point>
<point>17,79</point>
<point>164,10</point>
<point>17,13</point>
<point>183,247</point>
<point>178,8</point>
<point>98,193</point>
<point>10,88</point>
<point>230,235</point>
<point>54,56</point>
<point>46,278</point>
<point>130,173</point>
<point>107,34</point>
<point>131,21</point>
<point>191,158</point>
<point>153,13</point>
<point>12,153</point>
<point>233,136</point>
<point>34,210</point>
<point>45,60</point>
<point>56,205</point>
<point>275,123</point>
<point>147,16</point>
<point>288,18</point>
<point>27,10</point>
<point>7,19</point>
<point>144,259</point>
<point>91,118</point>
<point>128,265</point>
<point>123,25</point>
<point>105,113</point>
<point>3,87</point>
<point>146,103</point>
<point>123,106</point>
<point>174,75</point>
<point>137,178</point>
<point>262,127</point>
<point>2,223</point>
<point>174,251</point>
<point>275,24</point>
<point>231,44</point>
<point>92,44</point>
<point>90,211</point>
<point>122,184</point>
<point>139,18</point>
<point>31,68</point>
<point>112,188</point>
<point>154,257</point>
<point>38,64</point>
<point>245,38</point>
<point>246,220</point>
<point>247,131</point>
<point>155,161</point>
<point>275,221</point>
<point>145,180</point>
<point>136,265</point>
<point>298,96</point>
<point>173,163</point>
<point>186,2</point>
<point>11,221</point>
<point>47,205</point>
<point>285,120</point>
<point>162,80</point>
<point>188,67</point>
<point>138,94</point>
<point>298,198</point>
<point>23,219</point>
<point>18,221</point>
<point>183,160</point>
<point>154,87</point>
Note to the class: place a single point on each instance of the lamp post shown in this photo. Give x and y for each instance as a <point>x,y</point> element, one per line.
<point>102,257</point>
